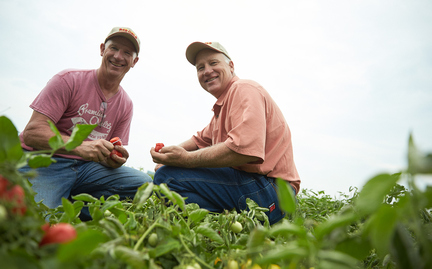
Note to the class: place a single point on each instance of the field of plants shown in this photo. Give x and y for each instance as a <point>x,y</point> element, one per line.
<point>385,224</point>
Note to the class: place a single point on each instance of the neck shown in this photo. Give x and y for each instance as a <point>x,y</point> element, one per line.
<point>108,85</point>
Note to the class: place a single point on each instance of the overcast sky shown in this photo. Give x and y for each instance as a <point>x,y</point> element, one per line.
<point>353,78</point>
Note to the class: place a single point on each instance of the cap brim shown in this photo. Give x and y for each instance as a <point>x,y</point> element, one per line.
<point>194,48</point>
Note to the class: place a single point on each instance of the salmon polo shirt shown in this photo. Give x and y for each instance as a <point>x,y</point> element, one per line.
<point>249,122</point>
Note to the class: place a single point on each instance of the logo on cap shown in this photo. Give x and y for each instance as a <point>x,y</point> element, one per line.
<point>129,32</point>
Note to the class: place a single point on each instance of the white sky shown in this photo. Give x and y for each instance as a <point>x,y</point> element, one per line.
<point>353,78</point>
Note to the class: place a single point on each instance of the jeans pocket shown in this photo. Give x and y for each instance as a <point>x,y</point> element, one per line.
<point>267,198</point>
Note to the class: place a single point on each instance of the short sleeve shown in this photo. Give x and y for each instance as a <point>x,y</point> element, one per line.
<point>54,98</point>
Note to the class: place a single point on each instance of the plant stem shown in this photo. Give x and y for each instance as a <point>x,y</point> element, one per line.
<point>193,254</point>
<point>146,233</point>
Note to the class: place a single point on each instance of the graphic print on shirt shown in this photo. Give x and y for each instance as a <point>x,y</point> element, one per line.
<point>96,116</point>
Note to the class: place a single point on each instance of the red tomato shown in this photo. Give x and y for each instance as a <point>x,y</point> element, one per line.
<point>116,153</point>
<point>159,146</point>
<point>116,142</point>
<point>3,185</point>
<point>58,234</point>
<point>14,195</point>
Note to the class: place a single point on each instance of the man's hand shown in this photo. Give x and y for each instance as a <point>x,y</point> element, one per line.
<point>116,161</point>
<point>171,155</point>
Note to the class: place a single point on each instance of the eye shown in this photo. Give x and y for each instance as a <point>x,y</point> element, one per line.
<point>214,63</point>
<point>200,68</point>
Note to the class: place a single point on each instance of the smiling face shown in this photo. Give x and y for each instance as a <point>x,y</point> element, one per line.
<point>118,56</point>
<point>214,73</point>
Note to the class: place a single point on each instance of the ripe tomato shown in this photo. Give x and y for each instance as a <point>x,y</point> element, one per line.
<point>116,142</point>
<point>14,195</point>
<point>60,233</point>
<point>116,153</point>
<point>159,146</point>
<point>3,185</point>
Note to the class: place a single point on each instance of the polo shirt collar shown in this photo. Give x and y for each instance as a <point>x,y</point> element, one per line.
<point>220,101</point>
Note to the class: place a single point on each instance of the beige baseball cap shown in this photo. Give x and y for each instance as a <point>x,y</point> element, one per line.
<point>193,49</point>
<point>127,33</point>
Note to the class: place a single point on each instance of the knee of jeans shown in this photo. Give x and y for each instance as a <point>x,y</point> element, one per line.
<point>160,176</point>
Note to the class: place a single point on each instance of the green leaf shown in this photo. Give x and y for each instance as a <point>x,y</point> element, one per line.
<point>380,228</point>
<point>356,247</point>
<point>166,191</point>
<point>84,244</point>
<point>374,191</point>
<point>257,237</point>
<point>129,256</point>
<point>68,208</point>
<point>210,233</point>
<point>110,204</point>
<point>179,200</point>
<point>164,247</point>
<point>290,251</point>
<point>56,141</point>
<point>42,160</point>
<point>286,229</point>
<point>336,259</point>
<point>10,146</point>
<point>333,222</point>
<point>404,251</point>
<point>84,197</point>
<point>286,196</point>
<point>198,214</point>
<point>79,134</point>
<point>143,193</point>
<point>418,162</point>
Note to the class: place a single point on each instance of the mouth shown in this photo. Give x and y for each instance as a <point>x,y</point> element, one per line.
<point>117,65</point>
<point>211,79</point>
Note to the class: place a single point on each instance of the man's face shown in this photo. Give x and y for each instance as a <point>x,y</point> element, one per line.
<point>118,56</point>
<point>214,73</point>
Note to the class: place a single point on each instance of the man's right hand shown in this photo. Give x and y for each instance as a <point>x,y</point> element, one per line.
<point>96,151</point>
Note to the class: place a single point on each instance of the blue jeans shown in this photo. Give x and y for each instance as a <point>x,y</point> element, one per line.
<point>216,189</point>
<point>69,177</point>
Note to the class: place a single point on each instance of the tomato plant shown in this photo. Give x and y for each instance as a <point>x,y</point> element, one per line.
<point>382,225</point>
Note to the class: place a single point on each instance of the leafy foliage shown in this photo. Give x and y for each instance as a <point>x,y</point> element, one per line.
<point>384,225</point>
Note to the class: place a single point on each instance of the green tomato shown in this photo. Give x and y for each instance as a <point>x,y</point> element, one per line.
<point>107,213</point>
<point>153,239</point>
<point>236,227</point>
<point>3,213</point>
<point>233,264</point>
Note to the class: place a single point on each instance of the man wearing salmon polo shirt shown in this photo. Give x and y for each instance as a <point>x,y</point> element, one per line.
<point>92,96</point>
<point>245,147</point>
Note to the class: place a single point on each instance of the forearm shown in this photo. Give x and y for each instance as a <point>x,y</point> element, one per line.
<point>218,155</point>
<point>37,136</point>
<point>189,145</point>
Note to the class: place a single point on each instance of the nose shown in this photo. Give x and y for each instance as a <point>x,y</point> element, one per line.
<point>118,54</point>
<point>207,69</point>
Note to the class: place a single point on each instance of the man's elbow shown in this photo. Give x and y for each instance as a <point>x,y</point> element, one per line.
<point>27,138</point>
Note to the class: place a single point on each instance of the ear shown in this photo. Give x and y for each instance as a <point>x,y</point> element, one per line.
<point>231,65</point>
<point>135,61</point>
<point>102,49</point>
